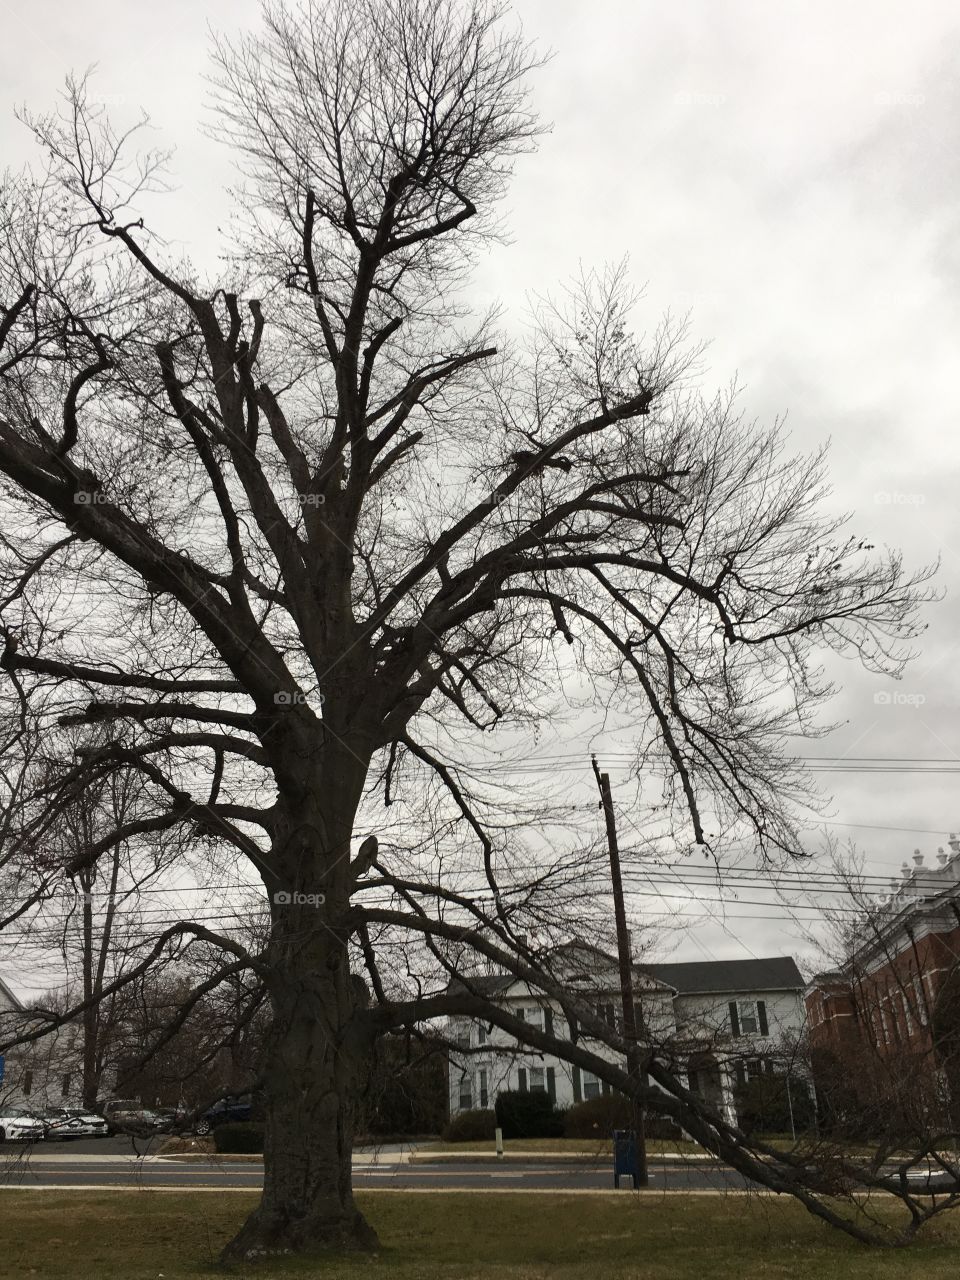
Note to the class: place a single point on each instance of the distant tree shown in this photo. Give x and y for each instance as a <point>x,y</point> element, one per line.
<point>305,539</point>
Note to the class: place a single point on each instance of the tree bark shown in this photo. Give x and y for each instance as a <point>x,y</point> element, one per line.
<point>317,1066</point>
<point>320,1050</point>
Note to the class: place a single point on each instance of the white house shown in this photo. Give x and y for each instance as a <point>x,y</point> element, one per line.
<point>42,1073</point>
<point>719,1022</point>
<point>9,1004</point>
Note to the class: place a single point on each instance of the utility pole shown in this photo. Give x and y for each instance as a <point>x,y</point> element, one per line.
<point>634,1056</point>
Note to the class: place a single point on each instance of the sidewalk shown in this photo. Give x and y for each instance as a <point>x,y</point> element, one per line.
<point>547,1157</point>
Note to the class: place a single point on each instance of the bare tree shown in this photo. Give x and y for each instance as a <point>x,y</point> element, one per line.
<point>303,540</point>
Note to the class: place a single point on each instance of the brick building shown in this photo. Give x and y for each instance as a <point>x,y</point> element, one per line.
<point>883,1020</point>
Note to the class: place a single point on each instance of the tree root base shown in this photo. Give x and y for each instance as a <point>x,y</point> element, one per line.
<point>268,1235</point>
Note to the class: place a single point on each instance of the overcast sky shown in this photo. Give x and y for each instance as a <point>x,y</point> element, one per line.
<point>788,171</point>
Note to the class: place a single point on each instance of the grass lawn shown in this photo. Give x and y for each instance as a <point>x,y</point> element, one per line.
<point>146,1235</point>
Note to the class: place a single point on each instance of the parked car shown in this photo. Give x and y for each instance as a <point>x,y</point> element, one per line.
<point>18,1125</point>
<point>75,1122</point>
<point>126,1115</point>
<point>171,1119</point>
<point>223,1111</point>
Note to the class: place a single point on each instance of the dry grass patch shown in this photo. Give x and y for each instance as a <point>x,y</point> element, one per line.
<point>143,1235</point>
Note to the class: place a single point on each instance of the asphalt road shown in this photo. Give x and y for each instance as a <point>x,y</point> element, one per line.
<point>27,1170</point>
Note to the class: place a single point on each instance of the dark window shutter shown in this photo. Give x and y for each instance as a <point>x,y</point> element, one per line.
<point>522,1077</point>
<point>577,1091</point>
<point>574,1032</point>
<point>520,1013</point>
<point>762,1018</point>
<point>741,1074</point>
<point>548,1020</point>
<point>604,1086</point>
<point>552,1083</point>
<point>734,1018</point>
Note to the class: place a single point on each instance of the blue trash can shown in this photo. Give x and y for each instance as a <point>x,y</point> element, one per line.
<point>625,1156</point>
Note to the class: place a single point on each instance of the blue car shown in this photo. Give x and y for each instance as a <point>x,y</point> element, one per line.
<point>224,1111</point>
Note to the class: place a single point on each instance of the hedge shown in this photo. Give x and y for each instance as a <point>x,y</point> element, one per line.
<point>522,1114</point>
<point>763,1105</point>
<point>598,1117</point>
<point>471,1126</point>
<point>239,1138</point>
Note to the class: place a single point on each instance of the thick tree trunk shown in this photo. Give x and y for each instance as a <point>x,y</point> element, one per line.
<point>319,1055</point>
<point>316,1069</point>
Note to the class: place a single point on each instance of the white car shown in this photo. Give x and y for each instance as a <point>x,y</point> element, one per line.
<point>17,1125</point>
<point>75,1122</point>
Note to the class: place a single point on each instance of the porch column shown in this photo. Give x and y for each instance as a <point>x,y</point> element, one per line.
<point>727,1108</point>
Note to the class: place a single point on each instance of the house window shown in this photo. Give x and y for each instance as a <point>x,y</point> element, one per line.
<point>907,1019</point>
<point>607,1013</point>
<point>884,1025</point>
<point>754,1068</point>
<point>484,1090</point>
<point>590,1085</point>
<point>535,1017</point>
<point>481,1033</point>
<point>537,1080</point>
<point>465,1102</point>
<point>921,1003</point>
<point>748,1018</point>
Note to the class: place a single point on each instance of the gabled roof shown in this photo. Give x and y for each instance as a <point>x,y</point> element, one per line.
<point>484,984</point>
<point>5,991</point>
<point>713,977</point>
<point>690,977</point>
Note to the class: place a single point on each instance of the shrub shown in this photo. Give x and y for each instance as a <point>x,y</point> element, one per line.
<point>763,1105</point>
<point>598,1117</point>
<point>527,1115</point>
<point>239,1138</point>
<point>471,1126</point>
